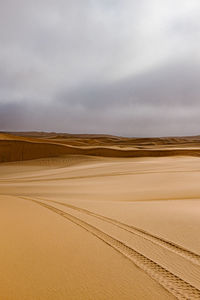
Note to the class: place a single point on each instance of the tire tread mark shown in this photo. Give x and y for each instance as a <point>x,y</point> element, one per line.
<point>172,283</point>
<point>187,254</point>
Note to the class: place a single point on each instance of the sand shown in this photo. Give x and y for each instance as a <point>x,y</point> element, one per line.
<point>79,226</point>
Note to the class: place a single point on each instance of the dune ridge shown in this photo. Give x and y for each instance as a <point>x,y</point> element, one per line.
<point>19,148</point>
<point>130,208</point>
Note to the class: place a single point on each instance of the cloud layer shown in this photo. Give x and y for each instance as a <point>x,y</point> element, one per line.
<point>122,67</point>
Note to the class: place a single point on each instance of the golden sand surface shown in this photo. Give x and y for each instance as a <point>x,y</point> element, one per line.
<point>77,226</point>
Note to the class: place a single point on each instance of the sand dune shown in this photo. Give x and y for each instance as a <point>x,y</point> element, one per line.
<point>14,148</point>
<point>99,226</point>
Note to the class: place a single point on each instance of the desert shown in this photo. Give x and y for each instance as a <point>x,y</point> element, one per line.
<point>84,217</point>
<point>99,150</point>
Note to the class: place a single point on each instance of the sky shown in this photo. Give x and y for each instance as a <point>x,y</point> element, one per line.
<point>121,67</point>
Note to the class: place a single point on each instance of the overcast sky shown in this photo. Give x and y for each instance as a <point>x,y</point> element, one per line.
<point>123,67</point>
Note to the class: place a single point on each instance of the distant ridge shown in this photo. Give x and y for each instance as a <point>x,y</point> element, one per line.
<point>32,145</point>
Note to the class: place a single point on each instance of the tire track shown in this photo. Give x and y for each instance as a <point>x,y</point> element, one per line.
<point>176,286</point>
<point>187,254</point>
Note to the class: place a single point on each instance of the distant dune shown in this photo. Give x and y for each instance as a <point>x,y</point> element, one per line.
<point>33,145</point>
<point>93,217</point>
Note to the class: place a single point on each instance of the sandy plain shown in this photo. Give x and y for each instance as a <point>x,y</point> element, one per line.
<point>99,217</point>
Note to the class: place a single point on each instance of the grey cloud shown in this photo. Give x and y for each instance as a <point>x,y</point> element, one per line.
<point>122,67</point>
<point>167,99</point>
<point>175,83</point>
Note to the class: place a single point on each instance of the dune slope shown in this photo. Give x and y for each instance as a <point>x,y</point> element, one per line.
<point>14,148</point>
<point>78,226</point>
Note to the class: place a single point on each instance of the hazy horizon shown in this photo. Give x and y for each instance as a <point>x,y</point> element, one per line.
<point>97,133</point>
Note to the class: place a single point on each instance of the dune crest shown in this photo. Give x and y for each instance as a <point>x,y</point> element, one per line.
<point>17,148</point>
<point>90,217</point>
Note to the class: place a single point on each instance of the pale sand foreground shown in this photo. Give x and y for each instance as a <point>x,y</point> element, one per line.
<point>80,227</point>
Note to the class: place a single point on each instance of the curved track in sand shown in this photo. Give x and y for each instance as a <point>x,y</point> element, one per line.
<point>187,254</point>
<point>174,284</point>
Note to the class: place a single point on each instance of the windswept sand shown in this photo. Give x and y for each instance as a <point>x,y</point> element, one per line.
<point>77,226</point>
<point>20,148</point>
